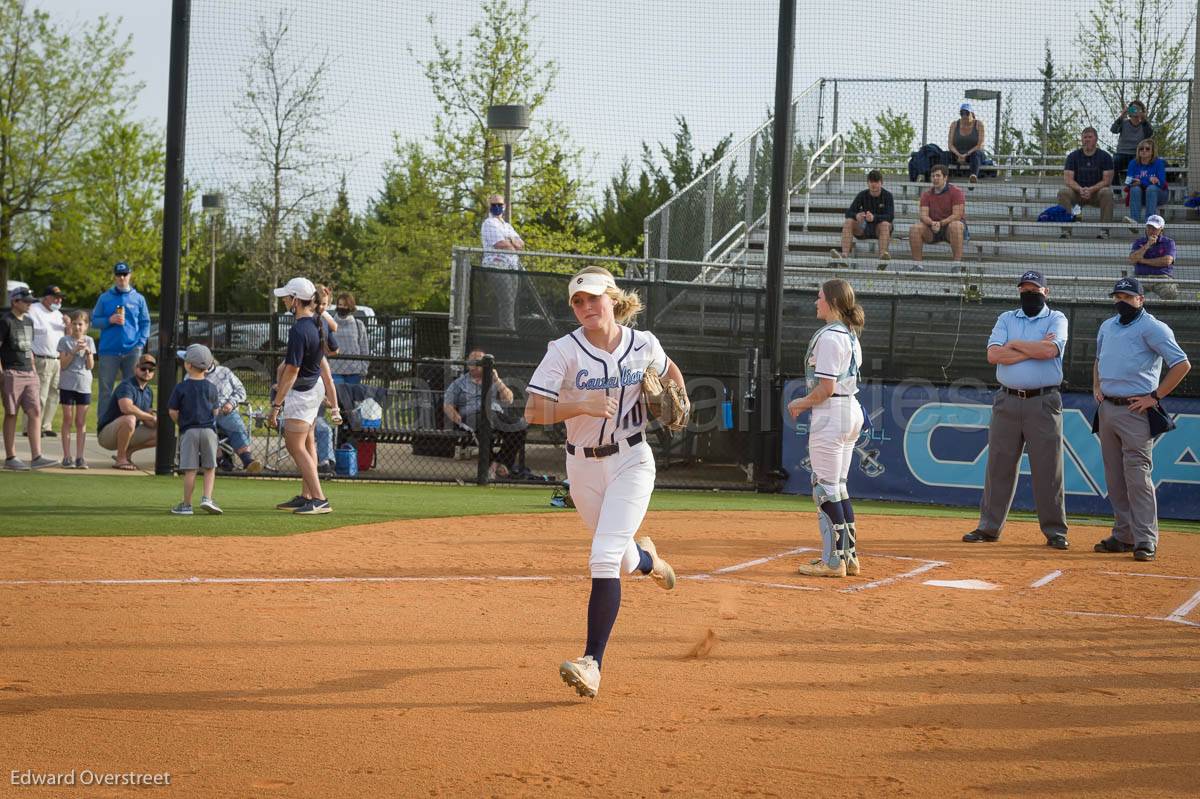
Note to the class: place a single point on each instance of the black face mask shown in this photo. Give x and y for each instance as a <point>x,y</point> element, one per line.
<point>1127,311</point>
<point>1032,302</point>
<point>343,311</point>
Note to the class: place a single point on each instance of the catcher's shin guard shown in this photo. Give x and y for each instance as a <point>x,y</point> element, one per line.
<point>829,517</point>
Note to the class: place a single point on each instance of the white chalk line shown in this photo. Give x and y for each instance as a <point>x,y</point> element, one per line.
<point>924,567</point>
<point>1186,608</point>
<point>1147,574</point>
<point>1049,578</point>
<point>1171,618</point>
<point>737,567</point>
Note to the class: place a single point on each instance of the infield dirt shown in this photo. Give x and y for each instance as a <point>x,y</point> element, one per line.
<point>738,682</point>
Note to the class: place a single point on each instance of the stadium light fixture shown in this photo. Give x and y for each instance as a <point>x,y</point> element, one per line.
<point>508,122</point>
<point>985,95</point>
<point>213,205</point>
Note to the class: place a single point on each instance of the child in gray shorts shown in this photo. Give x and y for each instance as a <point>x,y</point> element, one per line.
<point>193,406</point>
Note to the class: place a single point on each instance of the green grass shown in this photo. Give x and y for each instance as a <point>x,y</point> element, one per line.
<point>100,504</point>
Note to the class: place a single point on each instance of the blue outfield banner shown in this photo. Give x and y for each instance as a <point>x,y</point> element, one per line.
<point>929,444</point>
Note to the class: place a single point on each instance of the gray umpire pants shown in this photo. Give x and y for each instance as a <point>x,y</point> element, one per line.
<point>1015,421</point>
<point>1125,444</point>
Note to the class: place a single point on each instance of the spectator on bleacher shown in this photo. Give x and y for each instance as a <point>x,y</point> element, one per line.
<point>943,217</point>
<point>1131,349</point>
<point>501,245</point>
<point>49,325</point>
<point>123,318</point>
<point>20,381</point>
<point>966,139</point>
<point>463,404</point>
<point>1131,128</point>
<point>1026,347</point>
<point>128,422</point>
<point>230,394</point>
<point>1147,182</point>
<point>1088,174</point>
<point>1153,255</point>
<point>352,338</point>
<point>870,216</point>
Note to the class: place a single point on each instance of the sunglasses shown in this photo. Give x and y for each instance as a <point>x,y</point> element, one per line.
<point>147,367</point>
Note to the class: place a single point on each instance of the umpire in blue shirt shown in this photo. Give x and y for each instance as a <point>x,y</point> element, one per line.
<point>1131,348</point>
<point>1026,346</point>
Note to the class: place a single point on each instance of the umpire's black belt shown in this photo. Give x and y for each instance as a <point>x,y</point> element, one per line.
<point>1026,393</point>
<point>606,450</point>
<point>1120,400</point>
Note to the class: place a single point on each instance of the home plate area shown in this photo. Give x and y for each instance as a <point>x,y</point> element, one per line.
<point>1093,589</point>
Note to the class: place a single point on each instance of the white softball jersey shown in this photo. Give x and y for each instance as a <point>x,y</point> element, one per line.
<point>836,354</point>
<point>572,367</point>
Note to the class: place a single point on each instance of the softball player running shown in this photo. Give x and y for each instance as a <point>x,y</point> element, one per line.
<point>591,379</point>
<point>831,377</point>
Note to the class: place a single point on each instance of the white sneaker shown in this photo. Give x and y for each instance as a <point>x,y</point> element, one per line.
<point>852,566</point>
<point>582,674</point>
<point>661,573</point>
<point>1129,220</point>
<point>208,506</point>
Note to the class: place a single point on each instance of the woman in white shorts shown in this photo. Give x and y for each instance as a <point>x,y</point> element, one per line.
<point>831,376</point>
<point>302,392</point>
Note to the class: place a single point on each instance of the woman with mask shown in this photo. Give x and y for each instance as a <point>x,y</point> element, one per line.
<point>352,338</point>
<point>831,379</point>
<point>1026,346</point>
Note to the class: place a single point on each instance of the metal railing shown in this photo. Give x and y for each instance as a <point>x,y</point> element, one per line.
<point>731,193</point>
<point>838,142</point>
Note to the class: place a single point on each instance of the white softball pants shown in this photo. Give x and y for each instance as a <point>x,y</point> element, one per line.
<point>612,494</point>
<point>833,430</point>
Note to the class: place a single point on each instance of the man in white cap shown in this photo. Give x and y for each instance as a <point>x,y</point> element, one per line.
<point>1153,256</point>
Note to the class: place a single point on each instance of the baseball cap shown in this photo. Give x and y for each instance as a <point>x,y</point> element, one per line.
<point>1033,276</point>
<point>52,291</point>
<point>199,356</point>
<point>121,268</point>
<point>149,359</point>
<point>299,287</point>
<point>1156,221</point>
<point>1127,285</point>
<point>967,107</point>
<point>590,283</point>
<point>22,294</point>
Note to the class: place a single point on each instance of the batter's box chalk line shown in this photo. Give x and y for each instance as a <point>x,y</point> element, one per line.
<point>722,575</point>
<point>1177,616</point>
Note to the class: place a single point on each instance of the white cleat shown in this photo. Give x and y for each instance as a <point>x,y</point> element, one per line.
<point>661,572</point>
<point>819,568</point>
<point>582,674</point>
<point>852,567</point>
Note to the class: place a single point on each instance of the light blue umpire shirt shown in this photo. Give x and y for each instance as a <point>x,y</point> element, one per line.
<point>1032,372</point>
<point>1131,356</point>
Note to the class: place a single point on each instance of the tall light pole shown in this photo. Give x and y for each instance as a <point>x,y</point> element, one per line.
<point>213,205</point>
<point>509,122</point>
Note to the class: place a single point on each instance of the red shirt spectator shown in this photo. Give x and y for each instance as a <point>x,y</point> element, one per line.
<point>941,204</point>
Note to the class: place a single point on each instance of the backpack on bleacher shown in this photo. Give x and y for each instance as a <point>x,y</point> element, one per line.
<point>921,162</point>
<point>1056,213</point>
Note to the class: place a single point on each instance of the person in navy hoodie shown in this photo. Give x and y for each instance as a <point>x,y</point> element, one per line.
<point>123,318</point>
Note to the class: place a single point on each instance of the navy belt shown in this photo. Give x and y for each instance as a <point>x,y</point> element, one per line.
<point>606,450</point>
<point>1026,393</point>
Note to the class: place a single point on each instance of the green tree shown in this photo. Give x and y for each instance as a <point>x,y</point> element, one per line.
<point>1137,53</point>
<point>109,210</point>
<point>282,114</point>
<point>56,90</point>
<point>407,238</point>
<point>665,169</point>
<point>892,133</point>
<point>329,244</point>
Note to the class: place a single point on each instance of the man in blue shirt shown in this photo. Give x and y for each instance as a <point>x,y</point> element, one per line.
<point>1153,255</point>
<point>128,422</point>
<point>123,318</point>
<point>1131,348</point>
<point>1026,346</point>
<point>1088,177</point>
